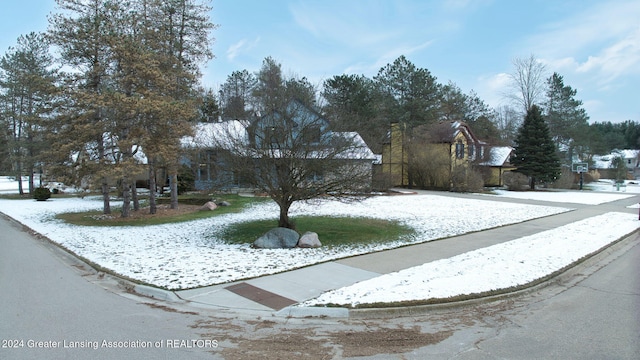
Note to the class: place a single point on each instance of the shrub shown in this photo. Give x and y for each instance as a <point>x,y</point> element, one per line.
<point>464,179</point>
<point>515,181</point>
<point>41,194</point>
<point>566,179</point>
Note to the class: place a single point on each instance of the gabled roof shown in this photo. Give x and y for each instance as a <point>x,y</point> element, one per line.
<point>359,151</point>
<point>498,156</point>
<point>233,135</point>
<point>221,135</point>
<point>446,132</point>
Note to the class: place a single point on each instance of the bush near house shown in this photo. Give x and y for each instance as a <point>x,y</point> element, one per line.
<point>464,179</point>
<point>515,181</point>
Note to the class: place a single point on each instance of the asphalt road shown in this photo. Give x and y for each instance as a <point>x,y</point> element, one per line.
<point>48,298</point>
<point>593,314</point>
<point>49,303</point>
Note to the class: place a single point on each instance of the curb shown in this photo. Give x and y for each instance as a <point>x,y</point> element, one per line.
<point>157,293</point>
<point>572,273</point>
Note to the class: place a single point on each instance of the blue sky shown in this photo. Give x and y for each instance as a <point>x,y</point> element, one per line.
<point>593,44</point>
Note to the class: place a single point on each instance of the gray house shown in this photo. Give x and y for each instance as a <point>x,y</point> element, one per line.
<point>300,133</point>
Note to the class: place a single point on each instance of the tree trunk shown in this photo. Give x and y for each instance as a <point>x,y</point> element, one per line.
<point>106,207</point>
<point>532,184</point>
<point>19,171</point>
<point>152,189</point>
<point>31,182</point>
<point>173,185</point>
<point>126,198</point>
<point>284,221</point>
<point>134,196</point>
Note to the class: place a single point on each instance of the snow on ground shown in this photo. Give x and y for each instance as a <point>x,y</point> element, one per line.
<point>187,255</point>
<point>8,185</point>
<point>629,186</point>
<point>575,197</point>
<point>500,266</point>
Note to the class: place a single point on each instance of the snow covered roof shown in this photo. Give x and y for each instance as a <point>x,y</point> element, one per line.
<point>498,156</point>
<point>360,150</point>
<point>226,135</point>
<point>230,134</point>
<point>604,161</point>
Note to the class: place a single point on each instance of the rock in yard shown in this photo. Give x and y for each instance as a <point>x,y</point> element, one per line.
<point>278,238</point>
<point>208,206</point>
<point>309,240</point>
<point>224,203</point>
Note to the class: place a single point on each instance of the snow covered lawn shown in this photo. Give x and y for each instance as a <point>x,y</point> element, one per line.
<point>501,266</point>
<point>575,197</point>
<point>187,255</point>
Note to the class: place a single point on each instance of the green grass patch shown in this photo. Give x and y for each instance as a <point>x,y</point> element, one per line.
<point>332,231</point>
<point>143,218</point>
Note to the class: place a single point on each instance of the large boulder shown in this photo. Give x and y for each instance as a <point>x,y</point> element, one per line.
<point>277,238</point>
<point>309,240</point>
<point>209,206</point>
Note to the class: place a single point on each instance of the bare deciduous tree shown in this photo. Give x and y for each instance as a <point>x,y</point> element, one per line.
<point>527,82</point>
<point>291,153</point>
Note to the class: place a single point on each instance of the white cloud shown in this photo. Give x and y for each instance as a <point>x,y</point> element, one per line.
<point>602,41</point>
<point>243,45</point>
<point>622,57</point>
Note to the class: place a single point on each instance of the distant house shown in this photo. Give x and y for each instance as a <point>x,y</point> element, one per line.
<point>603,163</point>
<point>304,135</point>
<point>496,164</point>
<point>443,147</point>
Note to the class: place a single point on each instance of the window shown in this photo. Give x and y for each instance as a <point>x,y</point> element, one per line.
<point>460,149</point>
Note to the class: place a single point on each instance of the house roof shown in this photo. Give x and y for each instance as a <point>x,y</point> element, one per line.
<point>498,156</point>
<point>360,150</point>
<point>222,135</point>
<point>604,161</point>
<point>233,135</point>
<point>446,131</point>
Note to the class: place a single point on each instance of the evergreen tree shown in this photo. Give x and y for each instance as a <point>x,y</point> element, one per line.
<point>411,93</point>
<point>535,153</point>
<point>136,73</point>
<point>353,104</point>
<point>27,91</point>
<point>568,121</point>
<point>79,30</point>
<point>208,111</point>
<point>235,95</point>
<point>469,108</point>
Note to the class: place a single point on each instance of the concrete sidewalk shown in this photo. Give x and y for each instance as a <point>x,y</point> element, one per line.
<point>274,294</point>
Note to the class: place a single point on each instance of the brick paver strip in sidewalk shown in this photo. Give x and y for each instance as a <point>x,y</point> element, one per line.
<point>261,296</point>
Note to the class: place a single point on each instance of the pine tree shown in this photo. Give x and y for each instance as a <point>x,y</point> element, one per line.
<point>79,31</point>
<point>27,92</point>
<point>535,152</point>
<point>568,121</point>
<point>411,93</point>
